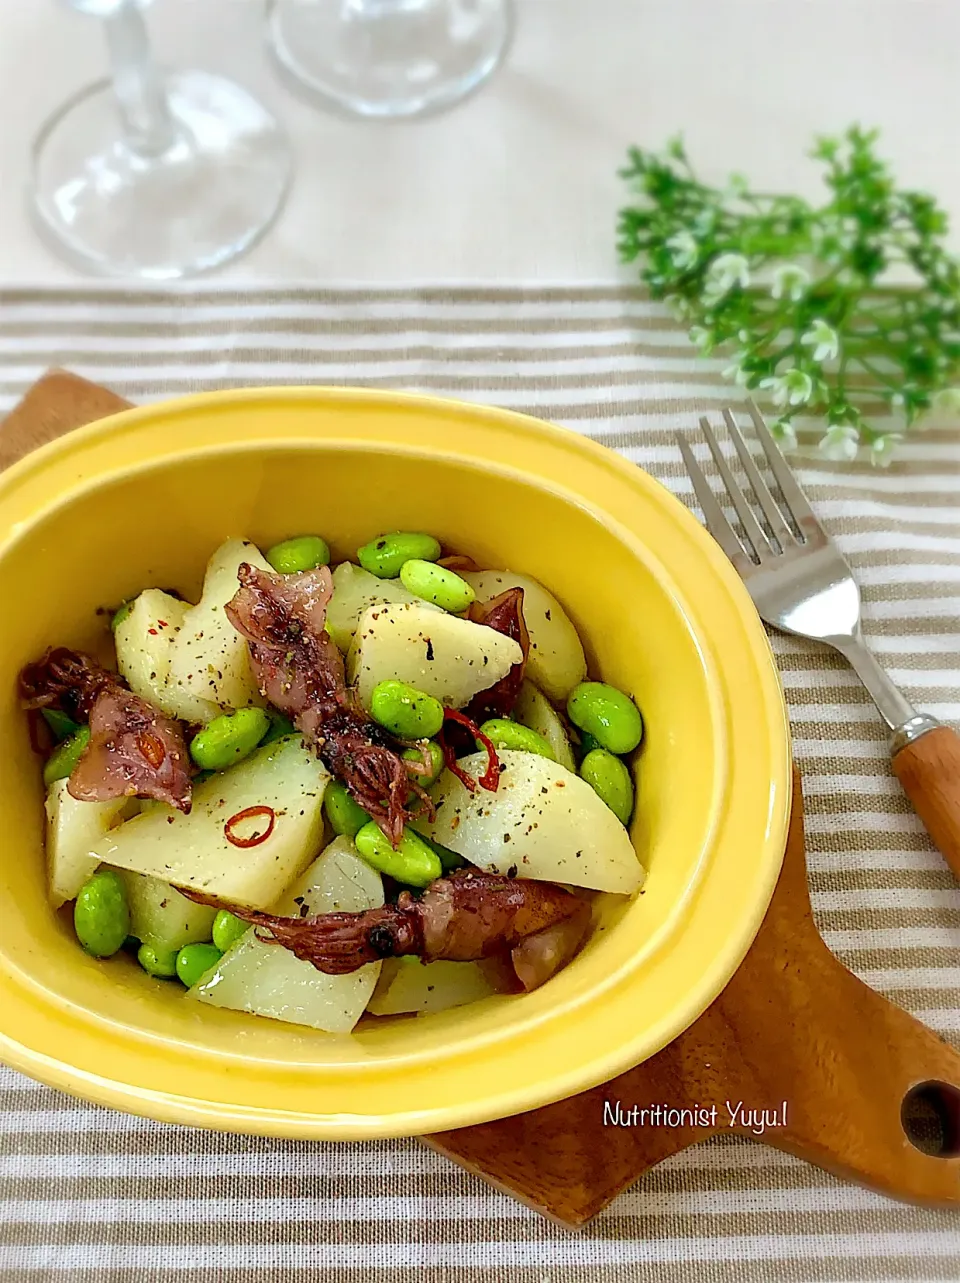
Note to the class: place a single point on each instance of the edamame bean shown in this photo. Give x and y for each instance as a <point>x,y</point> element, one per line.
<point>279,727</point>
<point>195,960</point>
<point>61,725</point>
<point>503,733</point>
<point>406,712</point>
<point>161,963</point>
<point>227,739</point>
<point>292,556</point>
<point>383,557</point>
<point>450,860</point>
<point>121,613</point>
<point>101,916</point>
<point>227,929</point>
<point>611,781</point>
<point>444,588</point>
<point>607,714</point>
<point>412,862</point>
<point>346,816</point>
<point>587,744</point>
<point>65,756</point>
<point>435,754</point>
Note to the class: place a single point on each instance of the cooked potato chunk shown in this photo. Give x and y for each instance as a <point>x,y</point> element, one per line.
<point>542,821</point>
<point>440,654</point>
<point>355,590</point>
<point>210,661</point>
<point>533,709</point>
<point>408,984</point>
<point>73,831</point>
<point>283,779</point>
<point>145,640</point>
<point>556,661</point>
<point>269,981</point>
<point>160,916</point>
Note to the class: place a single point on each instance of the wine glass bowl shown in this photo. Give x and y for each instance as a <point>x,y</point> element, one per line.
<point>156,176</point>
<point>389,59</point>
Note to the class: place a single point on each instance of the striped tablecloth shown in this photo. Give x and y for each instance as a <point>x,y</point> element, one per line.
<point>96,1196</point>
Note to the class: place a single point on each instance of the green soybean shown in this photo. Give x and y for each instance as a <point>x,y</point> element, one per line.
<point>406,712</point>
<point>305,552</point>
<point>503,733</point>
<point>346,816</point>
<point>121,613</point>
<point>227,929</point>
<point>449,860</point>
<point>157,962</point>
<point>607,714</point>
<point>59,765</point>
<point>412,862</point>
<point>611,781</point>
<point>587,744</point>
<point>101,915</point>
<point>61,725</point>
<point>435,754</point>
<point>279,727</point>
<point>436,584</point>
<point>228,739</point>
<point>195,960</point>
<point>385,555</point>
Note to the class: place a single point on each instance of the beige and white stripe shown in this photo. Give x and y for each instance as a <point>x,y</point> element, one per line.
<point>96,1196</point>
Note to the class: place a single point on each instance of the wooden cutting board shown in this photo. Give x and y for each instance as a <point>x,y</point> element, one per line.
<point>796,1052</point>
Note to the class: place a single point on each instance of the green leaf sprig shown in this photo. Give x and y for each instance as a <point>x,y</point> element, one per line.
<point>801,295</point>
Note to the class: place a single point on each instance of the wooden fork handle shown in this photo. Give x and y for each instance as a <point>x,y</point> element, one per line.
<point>929,770</point>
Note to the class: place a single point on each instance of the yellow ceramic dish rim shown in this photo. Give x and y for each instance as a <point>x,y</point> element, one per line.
<point>757,662</point>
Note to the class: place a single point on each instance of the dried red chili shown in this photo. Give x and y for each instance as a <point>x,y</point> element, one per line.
<point>248,814</point>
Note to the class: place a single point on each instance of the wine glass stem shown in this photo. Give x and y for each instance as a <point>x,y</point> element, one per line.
<point>141,98</point>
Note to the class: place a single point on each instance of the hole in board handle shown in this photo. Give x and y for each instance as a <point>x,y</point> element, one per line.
<point>930,1115</point>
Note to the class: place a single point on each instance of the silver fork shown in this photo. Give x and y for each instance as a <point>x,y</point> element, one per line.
<point>801,584</point>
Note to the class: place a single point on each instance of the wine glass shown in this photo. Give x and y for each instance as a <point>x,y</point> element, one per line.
<point>156,176</point>
<point>389,58</point>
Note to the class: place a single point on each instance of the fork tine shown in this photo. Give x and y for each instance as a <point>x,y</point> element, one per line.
<point>751,526</point>
<point>765,499</point>
<point>793,496</point>
<point>713,514</point>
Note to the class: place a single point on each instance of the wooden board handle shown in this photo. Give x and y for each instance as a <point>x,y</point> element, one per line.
<point>929,770</point>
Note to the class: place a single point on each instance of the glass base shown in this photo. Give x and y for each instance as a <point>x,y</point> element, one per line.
<point>204,200</point>
<point>389,58</point>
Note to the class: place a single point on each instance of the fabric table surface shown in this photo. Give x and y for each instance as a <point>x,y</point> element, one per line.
<point>98,1197</point>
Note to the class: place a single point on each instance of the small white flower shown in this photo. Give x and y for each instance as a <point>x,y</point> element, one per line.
<point>824,340</point>
<point>793,388</point>
<point>946,401</point>
<point>726,271</point>
<point>884,447</point>
<point>679,308</point>
<point>701,338</point>
<point>685,250</point>
<point>840,443</point>
<point>736,372</point>
<point>784,433</point>
<point>790,280</point>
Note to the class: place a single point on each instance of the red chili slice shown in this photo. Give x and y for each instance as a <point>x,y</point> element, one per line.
<point>250,813</point>
<point>491,776</point>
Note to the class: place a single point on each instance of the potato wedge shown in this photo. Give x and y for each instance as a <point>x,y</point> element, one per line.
<point>194,850</point>
<point>556,662</point>
<point>542,821</point>
<point>355,590</point>
<point>160,916</point>
<point>447,657</point>
<point>145,642</point>
<point>210,661</point>
<point>408,984</point>
<point>268,980</point>
<point>73,831</point>
<point>533,709</point>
